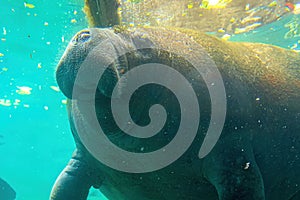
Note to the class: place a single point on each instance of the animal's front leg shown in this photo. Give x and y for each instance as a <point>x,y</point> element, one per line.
<point>75,181</point>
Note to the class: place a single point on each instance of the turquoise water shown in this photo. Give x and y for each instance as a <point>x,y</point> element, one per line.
<point>37,142</point>
<point>277,33</point>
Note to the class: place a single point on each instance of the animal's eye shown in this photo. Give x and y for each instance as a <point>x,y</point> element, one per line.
<point>82,36</point>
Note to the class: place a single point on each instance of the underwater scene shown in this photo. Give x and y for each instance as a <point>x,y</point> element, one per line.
<point>150,99</point>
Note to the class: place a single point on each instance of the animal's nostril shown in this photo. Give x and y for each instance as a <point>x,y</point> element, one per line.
<point>82,36</point>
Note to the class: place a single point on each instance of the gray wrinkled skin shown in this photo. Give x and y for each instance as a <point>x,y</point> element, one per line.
<point>255,162</point>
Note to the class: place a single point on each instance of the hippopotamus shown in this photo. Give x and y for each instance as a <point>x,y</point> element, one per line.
<point>256,156</point>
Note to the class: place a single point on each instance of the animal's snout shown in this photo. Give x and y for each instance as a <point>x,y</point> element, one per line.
<point>82,36</point>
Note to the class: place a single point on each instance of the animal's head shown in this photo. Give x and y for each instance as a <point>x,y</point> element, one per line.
<point>91,51</point>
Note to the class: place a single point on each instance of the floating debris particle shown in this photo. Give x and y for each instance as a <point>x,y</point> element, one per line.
<point>75,12</point>
<point>204,4</point>
<point>247,165</point>
<point>46,108</point>
<point>64,101</point>
<point>239,30</point>
<point>4,31</point>
<point>294,46</point>
<point>257,99</point>
<point>26,106</point>
<point>46,23</point>
<point>247,28</point>
<point>221,30</point>
<point>29,5</point>
<point>120,11</point>
<point>247,7</point>
<point>62,39</point>
<point>212,4</point>
<point>5,102</point>
<point>1,54</point>
<point>3,39</point>
<point>131,24</point>
<point>73,21</point>
<point>249,19</point>
<point>24,90</point>
<point>39,65</point>
<point>273,4</point>
<point>226,37</point>
<point>55,88</point>
<point>297,9</point>
<point>48,43</point>
<point>17,102</point>
<point>190,5</point>
<point>4,69</point>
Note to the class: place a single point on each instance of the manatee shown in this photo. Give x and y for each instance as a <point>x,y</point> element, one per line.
<point>6,191</point>
<point>257,154</point>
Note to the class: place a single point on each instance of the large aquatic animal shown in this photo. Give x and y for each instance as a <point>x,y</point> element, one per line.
<point>257,156</point>
<point>6,191</point>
